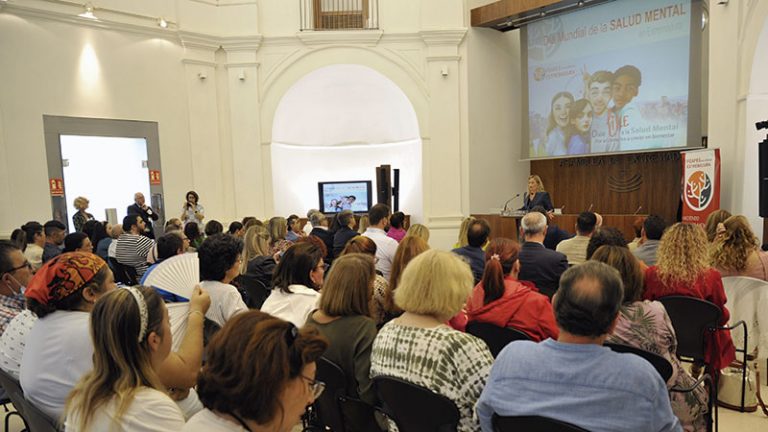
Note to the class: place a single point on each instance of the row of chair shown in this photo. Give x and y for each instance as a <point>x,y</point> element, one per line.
<point>35,420</point>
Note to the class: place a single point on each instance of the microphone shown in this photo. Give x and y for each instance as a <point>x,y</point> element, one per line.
<point>507,203</point>
<point>637,211</point>
<point>590,207</point>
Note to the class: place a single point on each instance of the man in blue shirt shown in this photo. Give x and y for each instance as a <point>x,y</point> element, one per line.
<point>477,235</point>
<point>575,379</point>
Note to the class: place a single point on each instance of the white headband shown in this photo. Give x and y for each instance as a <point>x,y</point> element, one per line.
<point>143,313</point>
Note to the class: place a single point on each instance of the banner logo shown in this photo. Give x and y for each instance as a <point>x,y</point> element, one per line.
<point>698,190</point>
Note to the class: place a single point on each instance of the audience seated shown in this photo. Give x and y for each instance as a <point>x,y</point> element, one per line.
<point>236,229</point>
<point>477,237</point>
<point>418,347</point>
<point>320,230</point>
<point>683,269</point>
<point>35,241</point>
<point>77,242</point>
<point>555,234</point>
<point>250,221</point>
<point>575,379</point>
<point>637,227</point>
<point>297,278</point>
<point>259,375</point>
<point>345,232</point>
<point>257,266</point>
<point>278,228</point>
<point>713,220</point>
<point>132,248</point>
<point>98,236</point>
<point>646,325</point>
<point>115,232</point>
<point>19,238</point>
<point>575,248</point>
<point>608,236</point>
<point>364,222</point>
<point>308,226</point>
<point>173,224</point>
<point>463,228</point>
<point>736,250</point>
<point>385,246</point>
<point>140,207</point>
<point>538,264</point>
<point>343,317</point>
<point>131,337</point>
<point>500,299</point>
<point>364,245</point>
<point>294,228</point>
<point>192,231</point>
<point>15,273</point>
<point>396,223</point>
<point>653,229</point>
<point>220,259</point>
<point>58,350</point>
<point>419,230</point>
<point>386,309</point>
<point>213,227</point>
<point>54,239</point>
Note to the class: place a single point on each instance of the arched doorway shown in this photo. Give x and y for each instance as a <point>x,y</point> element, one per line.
<point>338,123</point>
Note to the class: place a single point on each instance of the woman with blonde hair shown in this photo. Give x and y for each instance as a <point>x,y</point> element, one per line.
<point>278,228</point>
<point>536,195</point>
<point>363,224</point>
<point>713,220</point>
<point>409,248</point>
<point>462,241</point>
<point>419,230</point>
<point>364,245</point>
<point>646,325</point>
<point>82,216</point>
<point>736,250</point>
<point>343,317</point>
<point>257,266</point>
<point>683,269</point>
<point>131,335</point>
<point>420,348</point>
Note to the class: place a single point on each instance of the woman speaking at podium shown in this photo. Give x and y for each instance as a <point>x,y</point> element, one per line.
<point>536,195</point>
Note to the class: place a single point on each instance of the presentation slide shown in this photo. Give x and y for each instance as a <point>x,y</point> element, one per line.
<point>336,197</point>
<point>609,78</point>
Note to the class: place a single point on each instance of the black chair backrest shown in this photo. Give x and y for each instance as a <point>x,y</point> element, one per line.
<point>124,274</point>
<point>13,390</point>
<point>662,366</point>
<point>255,290</point>
<point>328,404</point>
<point>691,317</point>
<point>532,424</point>
<point>39,421</point>
<point>415,408</point>
<point>494,336</point>
<point>335,408</point>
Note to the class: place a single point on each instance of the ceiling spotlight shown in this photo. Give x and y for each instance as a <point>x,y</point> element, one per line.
<point>88,12</point>
<point>162,22</point>
<point>581,3</point>
<point>543,14</point>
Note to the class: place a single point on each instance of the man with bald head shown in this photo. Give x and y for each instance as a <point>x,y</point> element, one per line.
<point>575,379</point>
<point>140,208</point>
<point>538,264</point>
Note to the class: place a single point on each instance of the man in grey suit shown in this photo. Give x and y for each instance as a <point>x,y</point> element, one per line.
<point>538,264</point>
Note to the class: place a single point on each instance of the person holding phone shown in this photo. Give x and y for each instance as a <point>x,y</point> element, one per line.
<point>192,210</point>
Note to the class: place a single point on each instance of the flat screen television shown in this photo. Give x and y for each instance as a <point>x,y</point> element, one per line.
<point>336,196</point>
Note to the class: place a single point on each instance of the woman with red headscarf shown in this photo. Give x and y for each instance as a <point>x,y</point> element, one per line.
<point>58,349</point>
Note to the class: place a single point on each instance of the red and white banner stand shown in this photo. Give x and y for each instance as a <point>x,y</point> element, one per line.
<point>701,184</point>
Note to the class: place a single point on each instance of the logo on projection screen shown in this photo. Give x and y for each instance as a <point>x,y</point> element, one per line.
<point>698,190</point>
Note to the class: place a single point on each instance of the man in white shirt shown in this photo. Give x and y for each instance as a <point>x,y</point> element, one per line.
<point>385,246</point>
<point>575,248</point>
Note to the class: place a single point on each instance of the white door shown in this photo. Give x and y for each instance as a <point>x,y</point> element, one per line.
<point>107,171</point>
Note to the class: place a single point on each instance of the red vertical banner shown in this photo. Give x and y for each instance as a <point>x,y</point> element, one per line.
<point>701,185</point>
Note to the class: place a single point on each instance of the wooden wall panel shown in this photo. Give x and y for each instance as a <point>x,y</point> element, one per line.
<point>616,185</point>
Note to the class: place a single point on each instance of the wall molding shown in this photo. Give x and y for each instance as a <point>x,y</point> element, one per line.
<point>353,37</point>
<point>443,37</point>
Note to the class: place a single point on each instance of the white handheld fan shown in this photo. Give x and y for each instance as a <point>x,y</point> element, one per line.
<point>176,275</point>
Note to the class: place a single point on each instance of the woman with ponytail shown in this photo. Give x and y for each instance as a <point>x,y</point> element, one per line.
<point>500,299</point>
<point>131,337</point>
